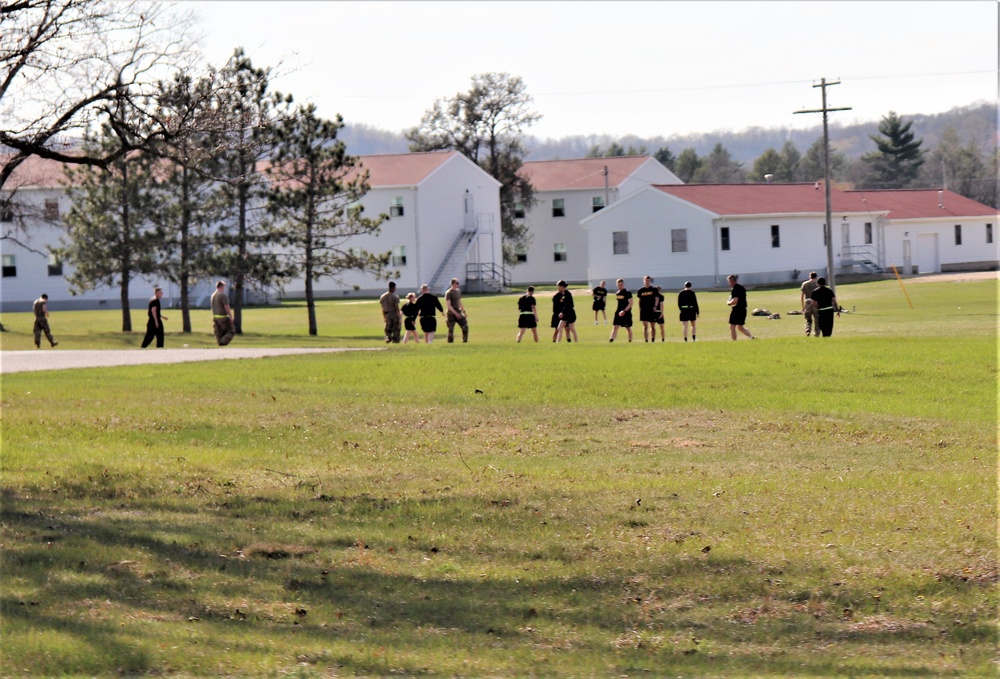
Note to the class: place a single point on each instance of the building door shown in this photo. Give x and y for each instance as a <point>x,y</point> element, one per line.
<point>845,242</point>
<point>470,214</point>
<point>927,253</point>
<point>907,258</point>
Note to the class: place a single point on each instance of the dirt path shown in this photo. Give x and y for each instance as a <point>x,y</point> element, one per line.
<point>42,359</point>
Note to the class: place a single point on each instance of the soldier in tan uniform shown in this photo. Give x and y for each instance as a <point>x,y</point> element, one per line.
<point>222,315</point>
<point>808,307</point>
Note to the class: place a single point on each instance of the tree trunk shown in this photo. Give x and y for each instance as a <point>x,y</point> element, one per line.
<point>185,256</point>
<point>310,302</point>
<point>126,310</point>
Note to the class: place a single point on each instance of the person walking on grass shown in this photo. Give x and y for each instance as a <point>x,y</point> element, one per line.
<point>409,312</point>
<point>391,316</point>
<point>647,307</point>
<point>222,316</point>
<point>826,305</point>
<point>567,313</point>
<point>456,312</point>
<point>600,302</point>
<point>738,302</point>
<point>623,314</point>
<point>687,302</point>
<point>427,304</point>
<point>527,316</point>
<point>808,308</point>
<point>154,320</point>
<point>41,309</point>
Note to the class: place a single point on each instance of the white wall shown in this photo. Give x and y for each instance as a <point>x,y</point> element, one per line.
<point>973,253</point>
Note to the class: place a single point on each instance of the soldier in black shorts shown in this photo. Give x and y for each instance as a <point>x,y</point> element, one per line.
<point>567,313</point>
<point>410,311</point>
<point>687,302</point>
<point>527,316</point>
<point>600,293</point>
<point>647,307</point>
<point>738,301</point>
<point>623,314</point>
<point>426,304</point>
<point>659,315</point>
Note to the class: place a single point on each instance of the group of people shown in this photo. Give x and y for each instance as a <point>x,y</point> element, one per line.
<point>424,307</point>
<point>819,306</point>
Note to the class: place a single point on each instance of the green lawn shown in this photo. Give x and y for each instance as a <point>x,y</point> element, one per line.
<point>791,506</point>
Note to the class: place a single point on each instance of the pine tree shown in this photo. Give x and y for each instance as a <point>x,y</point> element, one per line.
<point>895,163</point>
<point>315,198</point>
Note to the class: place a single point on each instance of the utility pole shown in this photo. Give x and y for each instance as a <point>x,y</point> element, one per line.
<point>828,227</point>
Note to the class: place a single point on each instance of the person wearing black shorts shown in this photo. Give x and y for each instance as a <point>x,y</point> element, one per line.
<point>623,314</point>
<point>600,293</point>
<point>687,302</point>
<point>527,314</point>
<point>426,305</point>
<point>410,310</point>
<point>647,307</point>
<point>825,302</point>
<point>567,313</point>
<point>738,302</point>
<point>659,315</point>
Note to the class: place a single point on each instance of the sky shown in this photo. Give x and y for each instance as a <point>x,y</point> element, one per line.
<point>651,68</point>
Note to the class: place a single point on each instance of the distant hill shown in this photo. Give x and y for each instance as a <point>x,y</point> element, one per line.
<point>976,122</point>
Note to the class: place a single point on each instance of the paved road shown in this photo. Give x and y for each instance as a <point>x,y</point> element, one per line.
<point>56,359</point>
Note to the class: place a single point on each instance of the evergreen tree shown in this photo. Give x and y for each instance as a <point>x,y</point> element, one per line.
<point>666,158</point>
<point>964,169</point>
<point>248,111</point>
<point>895,164</point>
<point>486,125</point>
<point>767,163</point>
<point>110,239</point>
<point>810,166</point>
<point>719,168</point>
<point>315,197</point>
<point>687,165</point>
<point>788,169</point>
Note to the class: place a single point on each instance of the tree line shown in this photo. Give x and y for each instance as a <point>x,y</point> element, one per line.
<point>898,161</point>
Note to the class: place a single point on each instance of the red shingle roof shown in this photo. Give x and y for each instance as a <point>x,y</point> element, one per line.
<point>920,203</point>
<point>766,199</point>
<point>403,169</point>
<point>581,173</point>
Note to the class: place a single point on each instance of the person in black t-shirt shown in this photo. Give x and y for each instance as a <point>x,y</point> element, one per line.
<point>738,302</point>
<point>567,313</point>
<point>647,307</point>
<point>426,305</point>
<point>623,314</point>
<point>600,293</point>
<point>527,314</point>
<point>410,311</point>
<point>154,322</point>
<point>687,302</point>
<point>825,302</point>
<point>659,315</point>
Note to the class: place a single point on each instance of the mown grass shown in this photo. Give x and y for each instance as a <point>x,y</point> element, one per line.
<point>790,506</point>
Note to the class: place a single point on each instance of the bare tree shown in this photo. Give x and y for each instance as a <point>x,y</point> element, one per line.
<point>64,63</point>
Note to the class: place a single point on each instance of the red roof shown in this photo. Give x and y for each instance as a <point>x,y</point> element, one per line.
<point>35,172</point>
<point>767,199</point>
<point>581,173</point>
<point>403,169</point>
<point>920,203</point>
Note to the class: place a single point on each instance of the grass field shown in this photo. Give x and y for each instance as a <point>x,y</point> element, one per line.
<point>791,506</point>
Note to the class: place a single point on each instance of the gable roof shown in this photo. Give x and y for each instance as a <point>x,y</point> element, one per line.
<point>920,203</point>
<point>403,169</point>
<point>580,173</point>
<point>767,199</point>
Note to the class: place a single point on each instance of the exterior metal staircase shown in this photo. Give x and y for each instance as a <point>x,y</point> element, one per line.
<point>451,265</point>
<point>865,256</point>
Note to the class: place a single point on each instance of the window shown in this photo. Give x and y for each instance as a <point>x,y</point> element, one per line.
<point>989,233</point>
<point>399,256</point>
<point>598,203</point>
<point>868,233</point>
<point>619,242</point>
<point>518,210</point>
<point>559,252</point>
<point>52,210</point>
<point>9,266</point>
<point>558,207</point>
<point>520,254</point>
<point>396,209</point>
<point>678,240</point>
<point>775,236</point>
<point>55,266</point>
<point>958,234</point>
<point>724,237</point>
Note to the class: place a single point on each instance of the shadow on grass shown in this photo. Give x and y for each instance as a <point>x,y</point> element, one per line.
<point>301,604</point>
